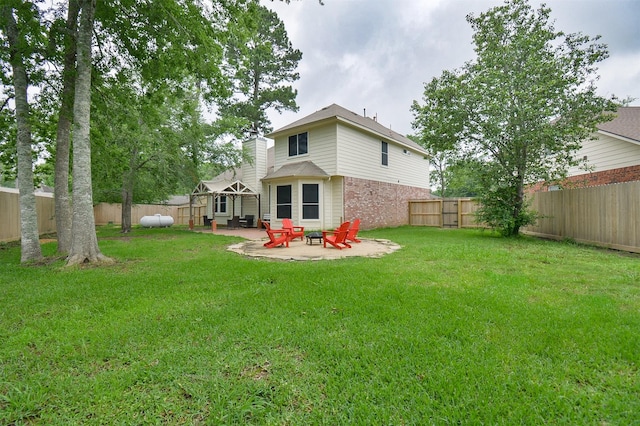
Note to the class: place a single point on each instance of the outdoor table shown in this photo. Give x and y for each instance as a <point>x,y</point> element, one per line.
<point>313,236</point>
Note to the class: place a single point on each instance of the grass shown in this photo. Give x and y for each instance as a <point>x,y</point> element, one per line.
<point>458,327</point>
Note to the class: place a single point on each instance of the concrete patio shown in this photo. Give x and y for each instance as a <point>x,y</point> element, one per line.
<point>300,250</point>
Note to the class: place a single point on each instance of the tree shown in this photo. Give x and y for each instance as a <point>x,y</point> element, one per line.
<point>63,134</point>
<point>143,140</point>
<point>521,108</point>
<point>20,52</point>
<point>440,126</point>
<point>462,178</point>
<point>261,61</point>
<point>84,242</point>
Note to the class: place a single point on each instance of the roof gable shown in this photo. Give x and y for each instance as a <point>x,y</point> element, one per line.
<point>340,114</point>
<point>299,169</point>
<point>626,124</point>
<point>223,188</point>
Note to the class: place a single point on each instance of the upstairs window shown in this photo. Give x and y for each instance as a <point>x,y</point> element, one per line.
<point>385,154</point>
<point>298,144</point>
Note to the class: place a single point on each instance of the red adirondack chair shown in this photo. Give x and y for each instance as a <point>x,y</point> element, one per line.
<point>337,238</point>
<point>277,237</point>
<point>294,231</point>
<point>352,235</point>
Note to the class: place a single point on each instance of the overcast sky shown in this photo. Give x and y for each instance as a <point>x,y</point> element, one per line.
<point>377,54</point>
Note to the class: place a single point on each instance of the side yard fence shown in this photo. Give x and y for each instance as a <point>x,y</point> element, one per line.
<point>607,216</point>
<point>10,214</point>
<point>105,213</point>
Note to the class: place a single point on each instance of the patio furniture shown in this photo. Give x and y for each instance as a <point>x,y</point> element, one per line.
<point>294,231</point>
<point>233,223</point>
<point>277,237</point>
<point>337,238</point>
<point>313,236</point>
<point>247,221</point>
<point>266,219</point>
<point>352,235</point>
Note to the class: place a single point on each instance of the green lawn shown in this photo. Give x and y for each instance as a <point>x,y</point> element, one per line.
<point>457,327</point>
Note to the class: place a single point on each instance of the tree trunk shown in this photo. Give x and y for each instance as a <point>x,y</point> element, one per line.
<point>127,202</point>
<point>128,182</point>
<point>63,136</point>
<point>84,242</point>
<point>30,240</point>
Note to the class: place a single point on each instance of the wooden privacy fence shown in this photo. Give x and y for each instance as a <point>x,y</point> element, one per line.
<point>104,213</point>
<point>10,214</point>
<point>444,213</point>
<point>607,215</point>
<point>107,213</point>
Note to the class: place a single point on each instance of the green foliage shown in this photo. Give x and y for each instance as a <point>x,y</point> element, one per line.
<point>8,151</point>
<point>521,108</point>
<point>458,327</point>
<point>260,63</point>
<point>141,141</point>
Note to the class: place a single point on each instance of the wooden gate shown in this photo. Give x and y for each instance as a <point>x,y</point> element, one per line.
<point>450,213</point>
<point>444,213</point>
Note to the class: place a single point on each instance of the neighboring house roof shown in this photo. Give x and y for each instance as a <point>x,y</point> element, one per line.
<point>178,200</point>
<point>228,176</point>
<point>625,125</point>
<point>340,114</point>
<point>299,169</point>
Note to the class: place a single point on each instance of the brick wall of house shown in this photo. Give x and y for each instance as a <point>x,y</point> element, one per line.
<point>605,177</point>
<point>379,204</point>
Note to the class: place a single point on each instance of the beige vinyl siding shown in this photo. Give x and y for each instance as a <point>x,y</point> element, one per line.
<point>252,172</point>
<point>607,153</point>
<point>361,157</point>
<point>337,203</point>
<point>321,144</point>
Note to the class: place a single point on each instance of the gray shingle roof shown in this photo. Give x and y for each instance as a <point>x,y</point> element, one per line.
<point>626,123</point>
<point>336,112</point>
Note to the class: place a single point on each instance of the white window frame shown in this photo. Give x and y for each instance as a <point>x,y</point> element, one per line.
<point>218,203</point>
<point>384,147</point>
<point>302,203</point>
<point>298,153</point>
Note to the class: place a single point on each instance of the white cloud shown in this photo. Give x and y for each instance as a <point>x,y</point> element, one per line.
<point>377,54</point>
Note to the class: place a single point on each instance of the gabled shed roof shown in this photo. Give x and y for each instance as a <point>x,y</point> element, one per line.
<point>223,188</point>
<point>340,114</point>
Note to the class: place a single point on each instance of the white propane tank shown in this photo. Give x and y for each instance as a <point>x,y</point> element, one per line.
<point>156,221</point>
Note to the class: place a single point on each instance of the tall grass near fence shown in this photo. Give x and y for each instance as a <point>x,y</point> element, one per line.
<point>456,327</point>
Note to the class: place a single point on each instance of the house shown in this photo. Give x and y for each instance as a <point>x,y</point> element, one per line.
<point>328,167</point>
<point>613,156</point>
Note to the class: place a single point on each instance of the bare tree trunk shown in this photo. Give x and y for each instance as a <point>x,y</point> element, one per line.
<point>30,241</point>
<point>84,242</point>
<point>63,137</point>
<point>127,201</point>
